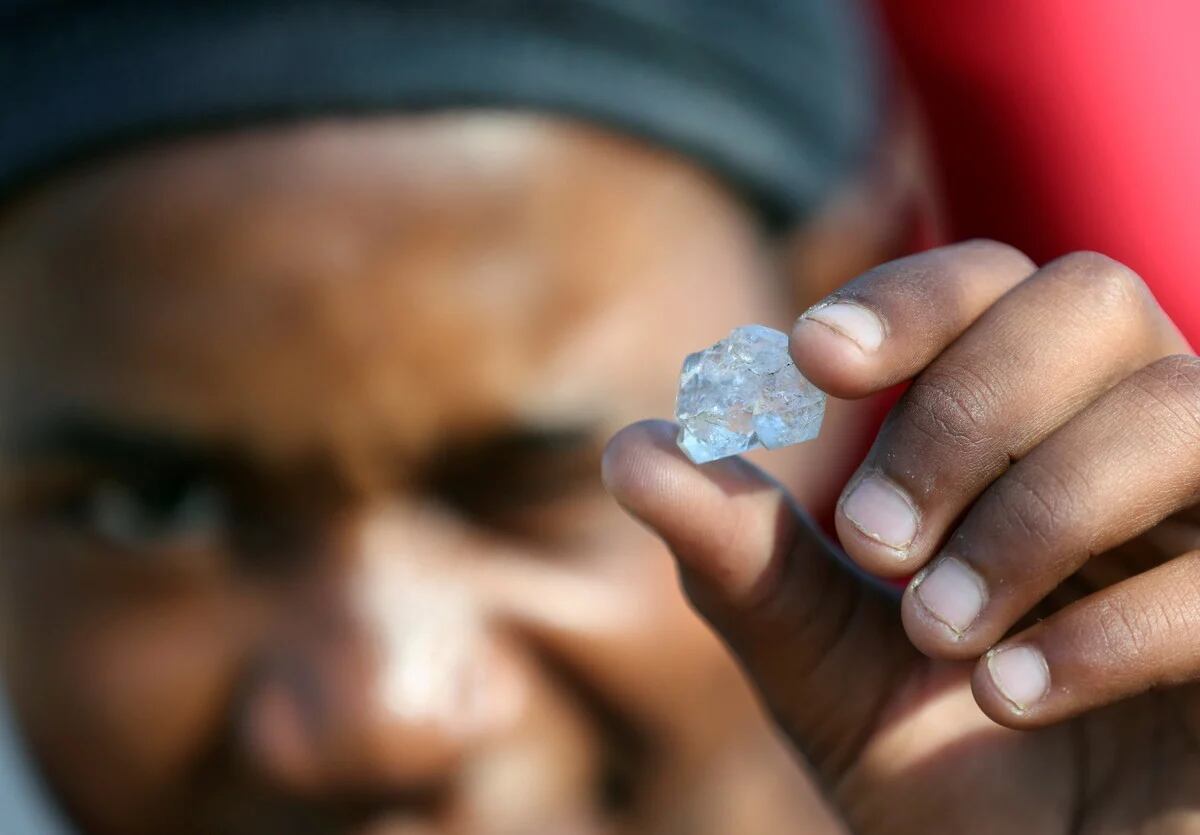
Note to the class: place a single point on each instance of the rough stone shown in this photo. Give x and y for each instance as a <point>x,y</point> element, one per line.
<point>743,393</point>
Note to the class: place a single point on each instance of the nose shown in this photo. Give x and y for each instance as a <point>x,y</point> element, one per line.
<point>385,676</point>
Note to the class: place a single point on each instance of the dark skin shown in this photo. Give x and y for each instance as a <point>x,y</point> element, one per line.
<point>1038,477</point>
<point>301,432</point>
<point>300,536</point>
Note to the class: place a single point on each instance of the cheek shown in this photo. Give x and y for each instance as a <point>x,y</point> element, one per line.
<point>117,669</point>
<point>153,682</point>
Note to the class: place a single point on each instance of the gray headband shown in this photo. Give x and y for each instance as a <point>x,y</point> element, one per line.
<point>778,96</point>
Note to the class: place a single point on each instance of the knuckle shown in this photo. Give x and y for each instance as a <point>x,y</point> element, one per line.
<point>1111,289</point>
<point>1095,291</point>
<point>1168,392</point>
<point>952,407</point>
<point>1000,253</point>
<point>1120,629</point>
<point>1133,628</point>
<point>1034,502</point>
<point>1179,372</point>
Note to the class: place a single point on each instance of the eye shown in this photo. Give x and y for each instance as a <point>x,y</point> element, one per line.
<point>167,513</point>
<point>528,485</point>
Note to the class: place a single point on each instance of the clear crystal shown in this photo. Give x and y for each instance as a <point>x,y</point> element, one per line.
<point>742,393</point>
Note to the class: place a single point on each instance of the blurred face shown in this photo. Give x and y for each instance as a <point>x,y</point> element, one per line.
<point>303,528</point>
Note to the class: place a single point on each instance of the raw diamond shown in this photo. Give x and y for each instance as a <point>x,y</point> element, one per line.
<point>743,393</point>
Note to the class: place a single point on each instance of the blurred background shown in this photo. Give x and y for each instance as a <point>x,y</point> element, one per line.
<point>314,320</point>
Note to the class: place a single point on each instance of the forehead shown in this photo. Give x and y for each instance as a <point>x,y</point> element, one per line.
<point>400,278</point>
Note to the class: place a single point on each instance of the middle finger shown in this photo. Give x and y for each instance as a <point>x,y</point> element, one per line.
<point>1038,356</point>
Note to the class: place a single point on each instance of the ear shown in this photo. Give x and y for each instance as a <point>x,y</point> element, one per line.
<point>887,210</point>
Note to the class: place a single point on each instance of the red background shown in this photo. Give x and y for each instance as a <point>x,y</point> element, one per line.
<point>1060,125</point>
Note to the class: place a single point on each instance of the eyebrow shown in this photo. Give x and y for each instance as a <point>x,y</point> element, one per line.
<point>466,466</point>
<point>523,438</point>
<point>104,441</point>
<point>131,447</point>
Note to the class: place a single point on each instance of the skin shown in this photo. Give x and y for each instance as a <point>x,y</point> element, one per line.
<point>233,529</point>
<point>300,431</point>
<point>1045,449</point>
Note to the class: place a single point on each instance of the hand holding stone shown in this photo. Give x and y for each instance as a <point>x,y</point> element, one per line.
<point>1043,461</point>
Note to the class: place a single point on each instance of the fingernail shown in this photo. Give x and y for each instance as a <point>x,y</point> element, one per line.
<point>952,593</point>
<point>853,321</point>
<point>878,509</point>
<point>1020,674</point>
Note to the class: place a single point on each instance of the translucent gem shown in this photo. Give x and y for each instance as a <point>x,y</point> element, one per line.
<point>742,393</point>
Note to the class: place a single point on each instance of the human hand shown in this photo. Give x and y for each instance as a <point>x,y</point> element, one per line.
<point>1043,462</point>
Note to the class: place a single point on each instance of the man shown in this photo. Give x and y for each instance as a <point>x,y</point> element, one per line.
<point>304,395</point>
<point>302,419</point>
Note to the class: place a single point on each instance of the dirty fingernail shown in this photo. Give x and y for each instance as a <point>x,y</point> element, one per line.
<point>878,509</point>
<point>853,321</point>
<point>952,593</point>
<point>1020,674</point>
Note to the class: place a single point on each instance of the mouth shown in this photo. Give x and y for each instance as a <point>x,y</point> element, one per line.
<point>241,810</point>
<point>397,825</point>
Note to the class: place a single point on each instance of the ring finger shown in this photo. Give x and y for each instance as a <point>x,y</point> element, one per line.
<point>1035,358</point>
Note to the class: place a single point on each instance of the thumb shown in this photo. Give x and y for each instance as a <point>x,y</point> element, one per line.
<point>822,645</point>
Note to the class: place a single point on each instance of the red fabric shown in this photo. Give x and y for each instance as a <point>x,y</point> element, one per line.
<point>1067,124</point>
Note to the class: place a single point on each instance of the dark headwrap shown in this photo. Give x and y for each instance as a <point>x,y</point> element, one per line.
<point>776,95</point>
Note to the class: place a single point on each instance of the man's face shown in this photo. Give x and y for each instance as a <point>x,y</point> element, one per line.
<point>303,528</point>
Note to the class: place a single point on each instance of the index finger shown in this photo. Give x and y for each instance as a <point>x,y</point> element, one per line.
<point>849,344</point>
